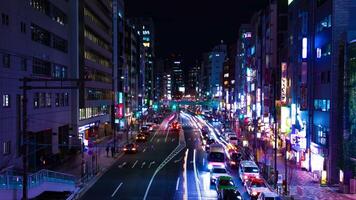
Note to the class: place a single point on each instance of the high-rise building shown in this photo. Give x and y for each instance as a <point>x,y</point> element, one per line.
<point>322,35</point>
<point>175,65</point>
<point>205,76</point>
<point>146,28</point>
<point>217,57</point>
<point>34,43</point>
<point>193,80</point>
<point>92,31</point>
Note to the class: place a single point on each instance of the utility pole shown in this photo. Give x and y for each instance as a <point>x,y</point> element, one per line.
<point>25,139</point>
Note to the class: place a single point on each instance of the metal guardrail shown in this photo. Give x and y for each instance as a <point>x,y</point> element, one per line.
<point>9,180</point>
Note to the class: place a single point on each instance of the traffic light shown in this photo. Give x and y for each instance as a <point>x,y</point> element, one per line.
<point>155,107</point>
<point>174,107</point>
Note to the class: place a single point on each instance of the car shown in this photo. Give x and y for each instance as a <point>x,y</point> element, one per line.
<point>145,130</point>
<point>234,159</point>
<point>175,126</point>
<point>269,196</point>
<point>141,137</point>
<point>209,142</point>
<point>230,194</point>
<point>224,183</point>
<point>233,139</point>
<point>255,187</point>
<point>130,148</point>
<point>248,169</point>
<point>216,172</point>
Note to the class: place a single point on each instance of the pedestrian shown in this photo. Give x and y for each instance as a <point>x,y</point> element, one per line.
<point>107,150</point>
<point>112,151</point>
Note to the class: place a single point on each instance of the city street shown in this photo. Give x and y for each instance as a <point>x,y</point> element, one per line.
<point>185,176</point>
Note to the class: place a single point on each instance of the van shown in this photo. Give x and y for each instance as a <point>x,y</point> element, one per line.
<point>216,156</point>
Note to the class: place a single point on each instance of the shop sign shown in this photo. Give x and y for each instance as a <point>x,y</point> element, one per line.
<point>284,83</point>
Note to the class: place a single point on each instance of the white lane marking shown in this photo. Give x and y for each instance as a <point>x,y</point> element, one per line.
<point>177,185</point>
<point>116,189</point>
<point>134,164</point>
<point>144,150</point>
<point>185,183</point>
<point>122,165</point>
<point>178,160</point>
<point>197,182</point>
<point>173,139</point>
<point>176,151</point>
<point>152,163</point>
<point>165,140</point>
<point>158,140</point>
<point>143,164</point>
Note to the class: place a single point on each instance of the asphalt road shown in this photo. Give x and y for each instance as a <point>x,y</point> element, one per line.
<point>130,176</point>
<point>160,171</point>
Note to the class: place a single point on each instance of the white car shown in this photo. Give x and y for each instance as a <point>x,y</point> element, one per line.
<point>255,187</point>
<point>216,172</point>
<point>248,169</point>
<point>269,196</point>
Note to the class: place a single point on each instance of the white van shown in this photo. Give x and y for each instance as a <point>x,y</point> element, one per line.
<point>248,169</point>
<point>216,156</point>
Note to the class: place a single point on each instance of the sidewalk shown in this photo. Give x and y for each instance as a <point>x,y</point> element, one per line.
<point>93,164</point>
<point>302,185</point>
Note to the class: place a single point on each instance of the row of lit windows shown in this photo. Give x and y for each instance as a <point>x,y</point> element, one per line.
<point>96,75</point>
<point>42,36</point>
<point>98,94</point>
<point>94,57</point>
<point>48,69</point>
<point>50,10</point>
<point>88,13</point>
<point>87,113</point>
<point>96,39</point>
<point>43,100</point>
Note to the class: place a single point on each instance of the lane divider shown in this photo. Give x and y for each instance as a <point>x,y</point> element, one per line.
<point>197,182</point>
<point>118,187</point>
<point>134,164</point>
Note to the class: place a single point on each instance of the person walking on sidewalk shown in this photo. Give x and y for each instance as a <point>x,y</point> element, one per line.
<point>112,151</point>
<point>107,150</point>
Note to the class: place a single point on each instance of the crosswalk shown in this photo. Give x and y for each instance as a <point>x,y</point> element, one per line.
<point>137,164</point>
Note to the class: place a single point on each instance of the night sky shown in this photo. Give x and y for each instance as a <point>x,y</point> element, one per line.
<point>191,27</point>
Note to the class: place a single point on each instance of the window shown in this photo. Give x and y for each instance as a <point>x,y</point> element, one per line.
<point>6,60</point>
<point>23,27</point>
<point>94,57</point>
<point>42,99</point>
<point>6,147</point>
<point>57,100</point>
<point>96,39</point>
<point>91,16</point>
<point>6,100</point>
<point>324,23</point>
<point>59,71</point>
<point>40,35</point>
<point>61,99</point>
<point>66,99</point>
<point>23,64</point>
<point>4,19</point>
<point>41,67</point>
<point>322,105</point>
<point>40,5</point>
<point>58,16</point>
<point>48,99</point>
<point>36,100</point>
<point>59,43</point>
